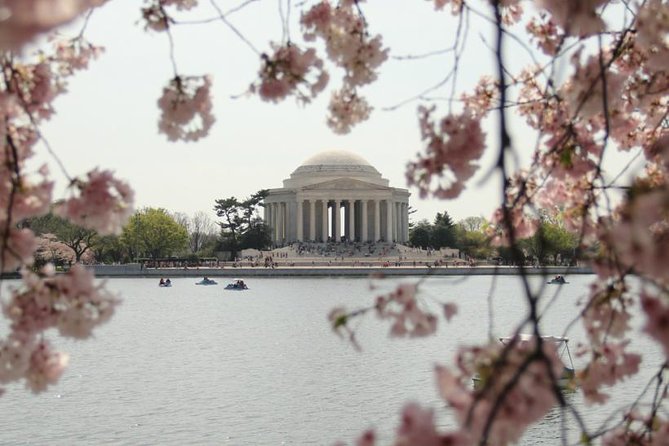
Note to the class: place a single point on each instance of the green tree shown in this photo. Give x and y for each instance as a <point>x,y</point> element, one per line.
<point>229,210</point>
<point>420,235</point>
<point>443,220</point>
<point>473,243</point>
<point>258,235</point>
<point>471,224</point>
<point>78,239</point>
<point>442,237</point>
<point>471,238</point>
<point>154,233</point>
<point>109,249</point>
<point>202,235</point>
<point>238,218</point>
<point>551,241</point>
<point>443,232</point>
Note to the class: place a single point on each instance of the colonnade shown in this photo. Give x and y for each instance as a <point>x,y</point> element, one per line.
<point>321,220</point>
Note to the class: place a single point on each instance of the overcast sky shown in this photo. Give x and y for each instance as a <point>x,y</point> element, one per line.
<point>109,116</point>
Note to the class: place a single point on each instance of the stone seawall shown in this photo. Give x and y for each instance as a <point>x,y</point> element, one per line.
<point>327,271</point>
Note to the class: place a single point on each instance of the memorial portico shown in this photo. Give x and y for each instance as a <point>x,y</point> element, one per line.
<point>337,196</point>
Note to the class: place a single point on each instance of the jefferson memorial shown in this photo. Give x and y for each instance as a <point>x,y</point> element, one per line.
<point>337,196</point>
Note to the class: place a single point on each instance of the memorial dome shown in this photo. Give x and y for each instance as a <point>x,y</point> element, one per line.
<point>335,162</point>
<point>336,158</point>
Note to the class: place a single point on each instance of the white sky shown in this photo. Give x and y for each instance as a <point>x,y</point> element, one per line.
<point>109,116</point>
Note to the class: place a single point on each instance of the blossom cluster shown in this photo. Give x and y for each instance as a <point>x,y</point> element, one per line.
<point>576,17</point>
<point>346,41</point>
<point>186,109</point>
<point>610,363</point>
<point>348,44</point>
<point>102,203</point>
<point>290,70</point>
<point>517,382</point>
<point>453,147</point>
<point>23,20</point>
<point>72,303</point>
<point>402,307</point>
<point>346,110</point>
<point>156,16</point>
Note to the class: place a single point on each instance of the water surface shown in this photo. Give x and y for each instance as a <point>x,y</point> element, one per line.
<point>203,366</point>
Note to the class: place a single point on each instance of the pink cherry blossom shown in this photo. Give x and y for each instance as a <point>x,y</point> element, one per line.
<point>346,40</point>
<point>546,35</point>
<point>186,108</point>
<point>407,315</point>
<point>483,99</point>
<point>453,148</point>
<point>72,302</point>
<point>657,319</point>
<point>347,109</point>
<point>450,310</point>
<point>75,54</point>
<point>156,16</point>
<point>576,17</point>
<point>101,202</point>
<point>16,248</point>
<point>86,304</point>
<point>15,352</point>
<point>515,383</point>
<point>456,5</point>
<point>291,71</point>
<point>607,312</point>
<point>585,90</point>
<point>22,20</point>
<point>46,367</point>
<point>653,27</point>
<point>417,427</point>
<point>609,364</point>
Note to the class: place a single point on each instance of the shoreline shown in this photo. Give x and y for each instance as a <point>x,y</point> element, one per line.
<point>130,271</point>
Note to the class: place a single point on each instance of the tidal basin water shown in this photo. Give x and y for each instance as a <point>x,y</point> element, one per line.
<point>199,365</point>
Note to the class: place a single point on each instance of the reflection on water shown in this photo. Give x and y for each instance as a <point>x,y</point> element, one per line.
<point>555,426</point>
<point>200,365</point>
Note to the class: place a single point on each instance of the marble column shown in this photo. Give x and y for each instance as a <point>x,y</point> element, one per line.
<point>389,220</point>
<point>344,220</point>
<point>325,221</point>
<point>300,221</point>
<point>276,219</point>
<point>351,220</point>
<point>363,232</point>
<point>405,215</point>
<point>268,219</point>
<point>377,220</point>
<point>336,214</point>
<point>282,221</point>
<point>312,220</point>
<point>398,222</point>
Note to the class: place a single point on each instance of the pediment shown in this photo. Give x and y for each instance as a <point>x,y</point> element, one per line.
<point>345,184</point>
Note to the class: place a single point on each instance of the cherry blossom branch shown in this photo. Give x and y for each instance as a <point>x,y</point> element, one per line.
<point>461,33</point>
<point>222,17</point>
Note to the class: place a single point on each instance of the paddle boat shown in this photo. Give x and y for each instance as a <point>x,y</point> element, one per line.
<point>557,280</point>
<point>566,380</point>
<point>206,281</point>
<point>165,283</point>
<point>237,285</point>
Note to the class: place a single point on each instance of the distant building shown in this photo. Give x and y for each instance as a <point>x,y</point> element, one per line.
<point>308,206</point>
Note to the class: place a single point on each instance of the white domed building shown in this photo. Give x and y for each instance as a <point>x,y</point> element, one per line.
<point>337,196</point>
